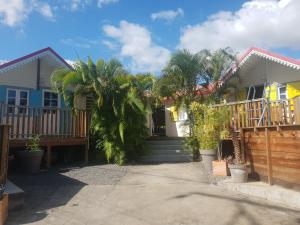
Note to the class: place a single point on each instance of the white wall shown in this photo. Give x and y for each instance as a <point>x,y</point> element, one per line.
<point>45,73</point>
<point>175,128</point>
<point>21,76</point>
<point>267,71</point>
<point>26,75</point>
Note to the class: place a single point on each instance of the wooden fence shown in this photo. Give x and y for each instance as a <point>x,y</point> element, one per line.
<point>4,129</point>
<point>273,153</point>
<point>46,122</point>
<point>260,113</point>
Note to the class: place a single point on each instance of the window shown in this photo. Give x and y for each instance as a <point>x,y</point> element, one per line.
<point>282,92</point>
<point>17,97</point>
<point>50,99</point>
<point>182,115</point>
<point>255,92</point>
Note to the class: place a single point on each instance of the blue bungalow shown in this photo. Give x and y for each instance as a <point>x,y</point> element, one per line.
<point>30,107</point>
<point>26,81</point>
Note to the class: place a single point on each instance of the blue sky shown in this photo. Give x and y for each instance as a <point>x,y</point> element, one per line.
<point>143,34</point>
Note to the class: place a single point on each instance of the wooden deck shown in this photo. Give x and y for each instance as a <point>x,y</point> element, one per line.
<point>270,138</point>
<point>55,126</point>
<point>273,153</point>
<point>261,112</point>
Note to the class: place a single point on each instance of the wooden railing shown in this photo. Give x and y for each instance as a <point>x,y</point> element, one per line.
<point>26,122</point>
<point>3,156</point>
<point>260,112</point>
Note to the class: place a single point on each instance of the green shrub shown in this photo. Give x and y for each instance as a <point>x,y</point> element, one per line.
<point>33,143</point>
<point>209,122</point>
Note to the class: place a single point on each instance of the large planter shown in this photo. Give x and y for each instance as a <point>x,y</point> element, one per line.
<point>220,168</point>
<point>208,156</point>
<point>239,173</point>
<point>30,161</point>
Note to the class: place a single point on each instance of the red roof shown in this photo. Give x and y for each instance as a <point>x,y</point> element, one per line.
<point>212,87</point>
<point>33,55</point>
<point>271,54</point>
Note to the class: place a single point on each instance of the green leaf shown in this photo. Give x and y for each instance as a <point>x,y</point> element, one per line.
<point>122,130</point>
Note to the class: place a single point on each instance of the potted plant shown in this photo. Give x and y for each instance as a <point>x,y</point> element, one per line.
<point>220,166</point>
<point>31,158</point>
<point>208,125</point>
<point>238,168</point>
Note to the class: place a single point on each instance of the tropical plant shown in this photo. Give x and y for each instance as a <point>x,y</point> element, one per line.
<point>33,143</point>
<point>215,66</point>
<point>119,105</point>
<point>180,78</point>
<point>236,147</point>
<point>209,123</point>
<point>191,144</point>
<point>186,72</point>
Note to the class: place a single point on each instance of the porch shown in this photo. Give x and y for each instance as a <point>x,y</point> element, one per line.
<point>270,138</point>
<point>55,126</point>
<point>262,112</point>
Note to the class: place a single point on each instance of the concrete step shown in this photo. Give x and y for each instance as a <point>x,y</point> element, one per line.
<point>163,147</point>
<point>15,196</point>
<point>165,150</point>
<point>165,158</point>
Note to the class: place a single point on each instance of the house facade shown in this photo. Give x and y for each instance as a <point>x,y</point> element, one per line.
<point>259,74</point>
<point>26,80</point>
<point>263,74</point>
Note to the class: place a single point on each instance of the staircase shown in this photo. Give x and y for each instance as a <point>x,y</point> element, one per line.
<point>163,149</point>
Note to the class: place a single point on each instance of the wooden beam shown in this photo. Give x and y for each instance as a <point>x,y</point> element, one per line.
<point>269,157</point>
<point>38,74</point>
<point>86,151</point>
<point>242,136</point>
<point>297,109</point>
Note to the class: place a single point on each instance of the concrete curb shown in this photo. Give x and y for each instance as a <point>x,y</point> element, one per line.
<point>273,193</point>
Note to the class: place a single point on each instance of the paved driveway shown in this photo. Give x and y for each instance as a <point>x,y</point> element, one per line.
<point>175,194</point>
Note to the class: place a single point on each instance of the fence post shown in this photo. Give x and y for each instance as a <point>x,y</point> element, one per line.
<point>297,109</point>
<point>269,157</point>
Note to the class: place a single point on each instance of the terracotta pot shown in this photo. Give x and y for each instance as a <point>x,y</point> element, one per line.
<point>220,168</point>
<point>30,161</point>
<point>208,156</point>
<point>239,173</point>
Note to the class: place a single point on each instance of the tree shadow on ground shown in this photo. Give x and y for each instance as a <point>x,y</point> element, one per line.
<point>43,191</point>
<point>240,205</point>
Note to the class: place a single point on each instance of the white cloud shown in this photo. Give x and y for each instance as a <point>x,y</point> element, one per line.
<point>45,10</point>
<point>262,23</point>
<point>2,61</point>
<point>79,42</point>
<point>15,12</point>
<point>71,62</point>
<point>138,46</point>
<point>167,15</point>
<point>101,3</point>
<point>109,44</point>
<point>75,5</point>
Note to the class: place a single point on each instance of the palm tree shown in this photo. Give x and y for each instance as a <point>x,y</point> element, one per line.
<point>119,107</point>
<point>215,66</point>
<point>181,77</point>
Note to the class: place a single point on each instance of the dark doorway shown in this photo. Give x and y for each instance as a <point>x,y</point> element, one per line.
<point>159,122</point>
<point>255,92</point>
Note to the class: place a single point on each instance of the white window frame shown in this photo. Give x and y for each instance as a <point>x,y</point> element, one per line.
<point>43,98</point>
<point>18,91</point>
<point>182,115</point>
<point>278,92</point>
